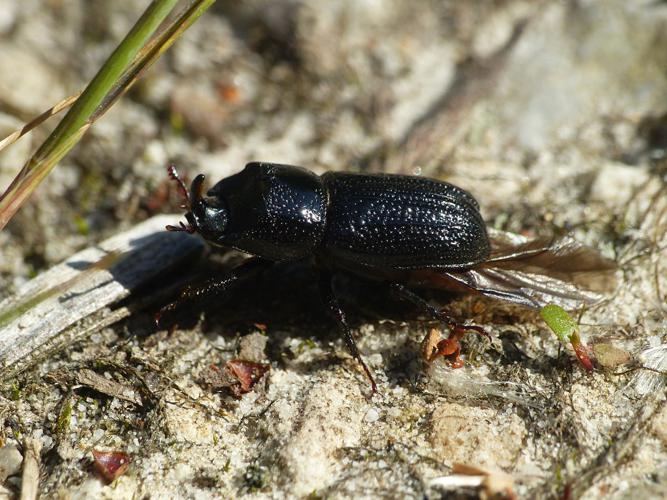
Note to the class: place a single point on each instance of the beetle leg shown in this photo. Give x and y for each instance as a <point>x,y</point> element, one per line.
<point>438,314</point>
<point>216,285</point>
<point>451,345</point>
<point>327,292</point>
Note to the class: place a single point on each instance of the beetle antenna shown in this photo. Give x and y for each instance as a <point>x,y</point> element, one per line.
<point>189,195</point>
<point>173,175</point>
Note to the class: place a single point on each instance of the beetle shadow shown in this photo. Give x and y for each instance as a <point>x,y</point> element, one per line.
<point>133,269</point>
<point>285,299</point>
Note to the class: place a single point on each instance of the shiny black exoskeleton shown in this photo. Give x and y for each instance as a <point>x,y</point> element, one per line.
<point>281,212</point>
<point>405,230</point>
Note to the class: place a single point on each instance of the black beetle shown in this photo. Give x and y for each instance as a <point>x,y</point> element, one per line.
<point>407,231</point>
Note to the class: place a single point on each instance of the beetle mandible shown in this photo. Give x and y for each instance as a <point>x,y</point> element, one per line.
<point>407,231</point>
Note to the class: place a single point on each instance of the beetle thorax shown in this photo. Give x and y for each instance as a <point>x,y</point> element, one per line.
<point>277,212</point>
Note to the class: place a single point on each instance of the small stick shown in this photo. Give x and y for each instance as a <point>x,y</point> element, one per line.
<point>70,293</point>
<point>31,461</point>
<point>111,388</point>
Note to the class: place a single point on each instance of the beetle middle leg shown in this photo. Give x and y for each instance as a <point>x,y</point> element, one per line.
<point>329,298</point>
<point>451,345</point>
<point>215,286</point>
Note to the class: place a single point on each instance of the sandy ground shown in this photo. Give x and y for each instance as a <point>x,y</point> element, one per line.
<point>553,114</point>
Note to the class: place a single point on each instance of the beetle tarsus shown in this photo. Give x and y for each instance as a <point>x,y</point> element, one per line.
<point>329,298</point>
<point>157,317</point>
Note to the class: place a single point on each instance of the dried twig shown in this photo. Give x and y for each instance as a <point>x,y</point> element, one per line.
<point>31,461</point>
<point>15,136</point>
<point>109,387</point>
<point>69,294</point>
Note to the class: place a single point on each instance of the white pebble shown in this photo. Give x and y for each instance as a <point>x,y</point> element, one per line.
<point>10,462</point>
<point>372,416</point>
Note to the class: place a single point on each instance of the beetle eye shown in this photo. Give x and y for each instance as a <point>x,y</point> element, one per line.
<point>211,221</point>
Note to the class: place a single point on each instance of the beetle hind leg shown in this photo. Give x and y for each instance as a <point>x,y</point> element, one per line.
<point>450,347</point>
<point>328,296</point>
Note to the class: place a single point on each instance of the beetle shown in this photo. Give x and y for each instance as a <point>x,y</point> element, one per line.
<point>410,232</point>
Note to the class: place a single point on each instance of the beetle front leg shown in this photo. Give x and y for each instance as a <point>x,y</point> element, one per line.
<point>450,346</point>
<point>218,285</point>
<point>329,298</point>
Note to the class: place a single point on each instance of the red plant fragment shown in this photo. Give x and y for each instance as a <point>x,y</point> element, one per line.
<point>111,464</point>
<point>247,373</point>
<point>582,354</point>
<point>433,347</point>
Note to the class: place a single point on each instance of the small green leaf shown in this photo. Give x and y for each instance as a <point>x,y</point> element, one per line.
<point>15,392</point>
<point>64,419</point>
<point>567,330</point>
<point>81,225</point>
<point>560,322</point>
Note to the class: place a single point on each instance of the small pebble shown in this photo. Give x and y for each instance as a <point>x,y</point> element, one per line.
<point>372,416</point>
<point>251,347</point>
<point>47,442</point>
<point>610,356</point>
<point>10,462</point>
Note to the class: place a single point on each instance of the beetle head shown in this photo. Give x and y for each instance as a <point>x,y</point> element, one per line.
<point>205,216</point>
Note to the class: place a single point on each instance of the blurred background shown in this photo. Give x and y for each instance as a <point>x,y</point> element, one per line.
<point>552,113</point>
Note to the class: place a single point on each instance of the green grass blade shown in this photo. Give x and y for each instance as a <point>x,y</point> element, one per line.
<point>74,123</point>
<point>107,76</point>
<point>152,51</point>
